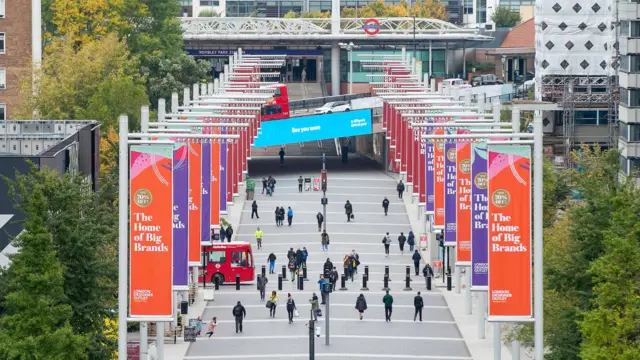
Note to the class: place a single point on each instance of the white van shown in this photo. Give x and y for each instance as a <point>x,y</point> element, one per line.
<point>451,84</point>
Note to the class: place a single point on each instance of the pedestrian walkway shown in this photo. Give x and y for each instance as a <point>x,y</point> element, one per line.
<point>436,337</point>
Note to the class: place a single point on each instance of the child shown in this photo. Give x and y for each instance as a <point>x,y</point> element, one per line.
<point>212,326</point>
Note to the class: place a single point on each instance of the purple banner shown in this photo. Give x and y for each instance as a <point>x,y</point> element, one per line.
<point>205,205</point>
<point>450,201</point>
<point>479,220</point>
<point>429,189</point>
<point>181,217</point>
<point>223,174</point>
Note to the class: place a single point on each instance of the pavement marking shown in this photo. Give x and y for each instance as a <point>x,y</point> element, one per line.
<point>381,213</point>
<point>269,242</point>
<point>318,233</point>
<point>307,193</point>
<point>316,202</point>
<point>337,223</point>
<point>385,179</point>
<point>274,337</point>
<point>341,305</point>
<point>353,319</point>
<point>335,253</point>
<point>254,292</point>
<point>327,355</point>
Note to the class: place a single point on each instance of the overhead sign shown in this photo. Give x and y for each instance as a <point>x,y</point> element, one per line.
<point>371,27</point>
<point>312,128</point>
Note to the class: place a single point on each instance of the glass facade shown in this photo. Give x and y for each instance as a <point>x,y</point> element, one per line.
<point>630,29</point>
<point>630,97</point>
<point>515,5</point>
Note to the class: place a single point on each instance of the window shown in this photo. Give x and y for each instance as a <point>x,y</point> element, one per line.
<point>239,259</point>
<point>272,110</point>
<point>630,97</point>
<point>634,132</point>
<point>2,9</point>
<point>2,48</point>
<point>630,29</point>
<point>217,257</point>
<point>630,63</point>
<point>209,3</point>
<point>623,131</point>
<point>3,112</point>
<point>3,78</point>
<point>623,165</point>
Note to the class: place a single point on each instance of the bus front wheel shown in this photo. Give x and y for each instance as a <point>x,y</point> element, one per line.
<point>218,276</point>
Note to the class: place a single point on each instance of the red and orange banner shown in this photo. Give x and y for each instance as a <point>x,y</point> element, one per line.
<point>215,181</point>
<point>195,202</point>
<point>151,231</point>
<point>463,206</point>
<point>438,179</point>
<point>509,190</point>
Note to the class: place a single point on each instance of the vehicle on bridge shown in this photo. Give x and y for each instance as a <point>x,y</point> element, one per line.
<point>225,260</point>
<point>335,106</point>
<point>277,107</point>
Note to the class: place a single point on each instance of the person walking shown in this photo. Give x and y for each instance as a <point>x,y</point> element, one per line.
<point>314,306</point>
<point>299,256</point>
<point>265,186</point>
<point>198,326</point>
<point>291,254</point>
<point>277,215</point>
<point>361,305</point>
<point>320,219</point>
<point>281,153</point>
<point>262,285</point>
<point>304,75</point>
<point>333,276</point>
<point>400,189</point>
<point>212,326</point>
<point>259,238</point>
<point>239,313</point>
<point>229,232</point>
<point>291,307</point>
<point>348,209</point>
<point>289,215</point>
<point>418,303</point>
<point>355,258</point>
<point>273,303</point>
<point>272,263</point>
<point>321,283</point>
<point>325,240</point>
<point>305,255</point>
<point>401,240</point>
<point>300,181</point>
<point>348,267</point>
<point>387,299</point>
<point>411,240</point>
<point>271,182</point>
<point>327,267</point>
<point>223,233</point>
<point>416,261</point>
<point>292,268</point>
<point>427,272</point>
<point>385,205</point>
<point>254,209</point>
<point>386,240</point>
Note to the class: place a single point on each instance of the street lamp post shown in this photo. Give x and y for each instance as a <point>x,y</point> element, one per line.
<point>349,47</point>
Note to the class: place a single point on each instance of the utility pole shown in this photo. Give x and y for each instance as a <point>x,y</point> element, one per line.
<point>324,191</point>
<point>312,340</point>
<point>415,51</point>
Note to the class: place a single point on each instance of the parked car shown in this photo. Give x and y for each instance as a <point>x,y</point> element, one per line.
<point>488,79</point>
<point>336,106</point>
<point>528,76</point>
<point>450,84</point>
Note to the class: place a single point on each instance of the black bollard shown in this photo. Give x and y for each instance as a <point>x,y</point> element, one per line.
<point>386,272</point>
<point>386,282</point>
<point>343,280</point>
<point>237,281</point>
<point>364,282</point>
<point>284,272</point>
<point>407,280</point>
<point>366,270</point>
<point>346,269</point>
<point>300,283</point>
<point>216,281</point>
<point>428,282</point>
<point>279,282</point>
<point>304,272</point>
<point>264,270</point>
<point>408,272</point>
<point>448,282</point>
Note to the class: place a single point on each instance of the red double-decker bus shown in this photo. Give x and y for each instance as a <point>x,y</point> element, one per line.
<point>226,260</point>
<point>277,107</point>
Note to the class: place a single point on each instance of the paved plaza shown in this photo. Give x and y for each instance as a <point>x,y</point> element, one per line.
<point>436,337</point>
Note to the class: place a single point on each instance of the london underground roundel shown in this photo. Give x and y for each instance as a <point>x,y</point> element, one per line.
<point>371,27</point>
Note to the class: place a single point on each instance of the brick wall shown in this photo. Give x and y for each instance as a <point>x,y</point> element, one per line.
<point>17,60</point>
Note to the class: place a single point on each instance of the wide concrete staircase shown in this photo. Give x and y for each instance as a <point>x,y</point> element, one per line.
<point>310,148</point>
<point>308,90</point>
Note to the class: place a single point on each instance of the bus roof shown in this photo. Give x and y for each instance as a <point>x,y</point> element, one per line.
<point>231,244</point>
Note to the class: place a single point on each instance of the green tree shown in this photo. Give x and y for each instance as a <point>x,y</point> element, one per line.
<point>36,322</point>
<point>156,31</point>
<point>503,16</point>
<point>290,15</point>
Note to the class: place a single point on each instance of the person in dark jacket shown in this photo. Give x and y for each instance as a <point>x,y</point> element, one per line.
<point>281,153</point>
<point>327,267</point>
<point>401,240</point>
<point>387,299</point>
<point>320,219</point>
<point>400,189</point>
<point>427,272</point>
<point>254,209</point>
<point>229,233</point>
<point>361,305</point>
<point>300,181</point>
<point>291,254</point>
<point>272,263</point>
<point>324,240</point>
<point>291,307</point>
<point>277,215</point>
<point>239,313</point>
<point>262,285</point>
<point>416,261</point>
<point>281,215</point>
<point>265,186</point>
<point>385,205</point>
<point>418,304</point>
<point>333,276</point>
<point>411,240</point>
<point>321,283</point>
<point>348,209</point>
<point>299,257</point>
<point>223,233</point>
<point>305,255</point>
<point>292,268</point>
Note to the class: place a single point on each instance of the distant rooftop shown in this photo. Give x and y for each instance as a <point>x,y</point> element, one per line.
<point>35,137</point>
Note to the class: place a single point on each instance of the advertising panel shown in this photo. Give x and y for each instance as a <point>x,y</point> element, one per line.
<point>509,232</point>
<point>479,227</point>
<point>195,202</point>
<point>316,127</point>
<point>417,175</point>
<point>450,197</point>
<point>215,180</point>
<point>223,174</point>
<point>439,179</point>
<point>463,216</point>
<point>429,178</point>
<point>205,202</point>
<point>151,231</point>
<point>181,217</point>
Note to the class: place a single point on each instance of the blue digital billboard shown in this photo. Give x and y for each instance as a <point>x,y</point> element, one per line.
<point>315,127</point>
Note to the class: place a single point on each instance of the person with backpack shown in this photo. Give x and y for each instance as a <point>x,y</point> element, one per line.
<point>418,304</point>
<point>291,307</point>
<point>411,240</point>
<point>272,303</point>
<point>291,254</point>
<point>259,235</point>
<point>254,209</point>
<point>348,209</point>
<point>292,268</point>
<point>265,186</point>
<point>333,276</point>
<point>427,272</point>
<point>361,305</point>
<point>229,233</point>
<point>289,215</point>
<point>400,189</point>
<point>239,313</point>
<point>385,205</point>
<point>355,261</point>
<point>299,256</point>
<point>416,261</point>
<point>325,240</point>
<point>320,219</point>
<point>262,285</point>
<point>386,240</point>
<point>348,267</point>
<point>401,240</point>
<point>300,181</point>
<point>281,212</point>
<point>327,267</point>
<point>272,263</point>
<point>314,306</point>
<point>305,255</point>
<point>387,299</point>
